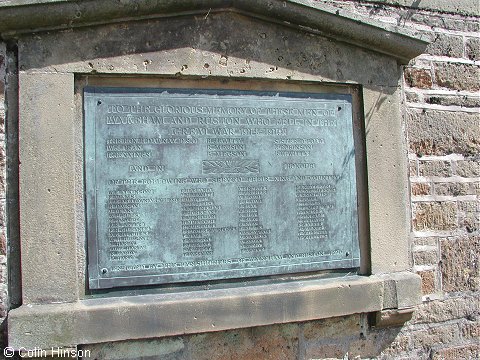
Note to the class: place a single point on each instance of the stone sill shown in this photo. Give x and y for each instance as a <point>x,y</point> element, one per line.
<point>148,316</point>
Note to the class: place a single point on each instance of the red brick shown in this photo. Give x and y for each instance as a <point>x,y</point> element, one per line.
<point>435,216</point>
<point>469,215</point>
<point>325,351</point>
<point>3,243</point>
<point>434,335</point>
<point>428,282</point>
<point>476,188</point>
<point>2,123</point>
<point>471,328</point>
<point>442,21</point>
<point>468,168</point>
<point>459,264</point>
<point>419,78</point>
<point>472,48</point>
<point>2,214</point>
<point>453,308</point>
<point>457,76</point>
<point>2,73</point>
<point>401,344</point>
<point>452,100</point>
<point>412,168</point>
<point>471,221</point>
<point>434,168</point>
<point>433,132</point>
<point>428,241</point>
<point>469,206</point>
<point>420,189</point>
<point>336,327</point>
<point>452,189</point>
<point>266,342</point>
<point>412,97</point>
<point>425,258</point>
<point>2,169</point>
<point>461,352</point>
<point>446,45</point>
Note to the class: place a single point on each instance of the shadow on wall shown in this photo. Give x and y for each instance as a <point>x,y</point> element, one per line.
<point>335,338</point>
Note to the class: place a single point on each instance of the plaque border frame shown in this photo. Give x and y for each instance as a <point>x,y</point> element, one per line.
<point>94,279</point>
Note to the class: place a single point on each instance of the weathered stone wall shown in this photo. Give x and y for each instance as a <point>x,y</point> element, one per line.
<point>443,128</point>
<point>441,112</point>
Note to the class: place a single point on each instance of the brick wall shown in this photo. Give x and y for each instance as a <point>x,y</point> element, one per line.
<point>441,112</point>
<point>442,115</point>
<point>442,107</point>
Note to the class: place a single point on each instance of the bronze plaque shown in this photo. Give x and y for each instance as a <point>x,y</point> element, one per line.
<point>195,185</point>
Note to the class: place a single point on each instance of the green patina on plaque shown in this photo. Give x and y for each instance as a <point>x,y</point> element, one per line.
<point>195,185</point>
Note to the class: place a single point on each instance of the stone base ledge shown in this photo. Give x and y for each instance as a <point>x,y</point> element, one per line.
<point>147,316</point>
<point>391,318</point>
